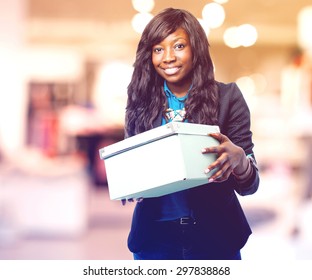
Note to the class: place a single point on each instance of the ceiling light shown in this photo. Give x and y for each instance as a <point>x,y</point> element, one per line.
<point>140,20</point>
<point>248,35</point>
<point>143,6</point>
<point>304,28</point>
<point>244,35</point>
<point>213,14</point>
<point>230,37</point>
<point>204,25</point>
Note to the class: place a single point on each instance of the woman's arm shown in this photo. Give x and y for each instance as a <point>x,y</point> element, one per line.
<point>235,160</point>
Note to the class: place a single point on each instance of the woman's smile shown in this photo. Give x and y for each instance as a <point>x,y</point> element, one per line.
<point>171,70</point>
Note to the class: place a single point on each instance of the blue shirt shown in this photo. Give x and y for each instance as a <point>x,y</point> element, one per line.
<point>176,109</point>
<point>174,205</point>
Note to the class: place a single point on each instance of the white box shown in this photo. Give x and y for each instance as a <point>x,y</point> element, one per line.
<point>160,161</point>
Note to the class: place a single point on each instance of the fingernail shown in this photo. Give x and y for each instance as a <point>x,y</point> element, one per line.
<point>210,180</point>
<point>203,150</point>
<point>207,170</point>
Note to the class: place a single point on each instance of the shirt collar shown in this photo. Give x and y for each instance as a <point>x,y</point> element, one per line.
<point>169,93</point>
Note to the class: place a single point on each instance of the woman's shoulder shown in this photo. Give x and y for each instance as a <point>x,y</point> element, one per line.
<point>228,90</point>
<point>227,87</point>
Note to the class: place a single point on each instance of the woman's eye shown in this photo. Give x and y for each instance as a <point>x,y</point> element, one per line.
<point>157,50</point>
<point>179,46</point>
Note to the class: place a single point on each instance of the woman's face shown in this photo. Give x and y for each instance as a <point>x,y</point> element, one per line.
<point>172,59</point>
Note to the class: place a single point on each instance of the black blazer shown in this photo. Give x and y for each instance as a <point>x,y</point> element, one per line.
<point>216,208</point>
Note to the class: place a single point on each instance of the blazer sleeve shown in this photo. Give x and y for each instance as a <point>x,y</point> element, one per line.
<point>234,122</point>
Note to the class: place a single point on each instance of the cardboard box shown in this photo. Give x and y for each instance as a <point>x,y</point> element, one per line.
<point>160,161</point>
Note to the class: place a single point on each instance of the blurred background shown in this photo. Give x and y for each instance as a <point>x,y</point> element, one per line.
<point>64,69</point>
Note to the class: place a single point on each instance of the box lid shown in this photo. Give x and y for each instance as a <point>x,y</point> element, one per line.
<point>155,134</point>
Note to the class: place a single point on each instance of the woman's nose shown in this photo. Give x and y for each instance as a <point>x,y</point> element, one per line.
<point>169,56</point>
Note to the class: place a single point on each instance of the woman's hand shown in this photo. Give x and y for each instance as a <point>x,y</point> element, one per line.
<point>124,201</point>
<point>230,159</point>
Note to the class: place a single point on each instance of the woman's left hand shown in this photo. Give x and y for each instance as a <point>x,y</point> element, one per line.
<point>230,157</point>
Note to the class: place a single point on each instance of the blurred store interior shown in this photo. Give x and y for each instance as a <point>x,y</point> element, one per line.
<point>64,68</point>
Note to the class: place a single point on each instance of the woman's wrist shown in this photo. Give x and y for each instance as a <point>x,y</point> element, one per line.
<point>243,176</point>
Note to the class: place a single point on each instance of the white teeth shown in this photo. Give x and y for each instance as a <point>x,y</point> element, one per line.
<point>171,71</point>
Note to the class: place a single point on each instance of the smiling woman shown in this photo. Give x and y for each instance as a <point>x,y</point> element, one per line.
<point>173,80</point>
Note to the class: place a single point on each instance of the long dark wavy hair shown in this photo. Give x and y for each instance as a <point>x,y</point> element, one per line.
<point>146,97</point>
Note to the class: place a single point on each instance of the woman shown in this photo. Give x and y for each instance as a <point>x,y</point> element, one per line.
<point>173,80</point>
